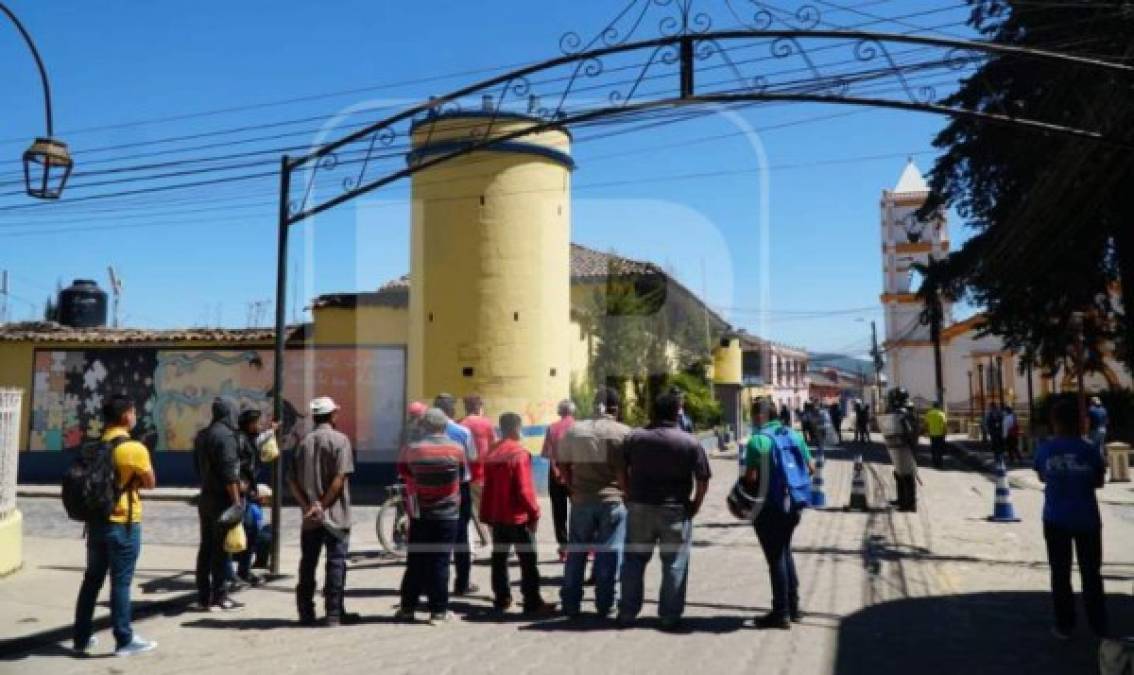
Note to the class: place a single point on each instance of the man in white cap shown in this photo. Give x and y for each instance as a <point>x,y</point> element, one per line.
<point>319,481</point>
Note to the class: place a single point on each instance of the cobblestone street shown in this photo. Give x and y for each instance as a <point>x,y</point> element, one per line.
<point>939,591</point>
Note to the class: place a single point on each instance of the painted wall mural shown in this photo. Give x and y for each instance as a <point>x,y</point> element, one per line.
<point>174,390</point>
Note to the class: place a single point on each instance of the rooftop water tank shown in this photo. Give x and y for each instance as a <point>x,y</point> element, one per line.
<point>82,305</point>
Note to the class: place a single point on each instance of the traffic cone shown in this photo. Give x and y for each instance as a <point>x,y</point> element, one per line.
<point>818,497</point>
<point>1002,511</point>
<point>858,487</point>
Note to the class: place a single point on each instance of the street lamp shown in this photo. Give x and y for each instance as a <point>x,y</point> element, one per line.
<point>47,163</point>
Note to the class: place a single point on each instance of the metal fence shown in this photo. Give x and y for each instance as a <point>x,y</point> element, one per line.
<point>10,401</point>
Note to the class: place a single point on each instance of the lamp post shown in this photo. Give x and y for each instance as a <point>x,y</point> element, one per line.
<point>970,406</point>
<point>47,162</point>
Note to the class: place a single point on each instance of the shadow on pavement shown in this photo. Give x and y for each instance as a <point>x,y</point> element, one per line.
<point>977,633</point>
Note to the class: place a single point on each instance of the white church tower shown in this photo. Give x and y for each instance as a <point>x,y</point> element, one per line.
<point>907,240</point>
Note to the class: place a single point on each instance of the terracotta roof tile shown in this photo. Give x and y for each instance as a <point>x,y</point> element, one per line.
<point>42,331</point>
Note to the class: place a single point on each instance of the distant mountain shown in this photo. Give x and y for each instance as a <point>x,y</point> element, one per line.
<point>850,364</point>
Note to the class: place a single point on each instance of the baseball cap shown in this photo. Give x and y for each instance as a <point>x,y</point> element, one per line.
<point>323,405</point>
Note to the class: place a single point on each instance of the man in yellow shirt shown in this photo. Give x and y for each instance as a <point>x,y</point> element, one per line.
<point>113,546</point>
<point>935,424</point>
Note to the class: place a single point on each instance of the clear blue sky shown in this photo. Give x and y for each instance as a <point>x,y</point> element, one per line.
<point>123,65</point>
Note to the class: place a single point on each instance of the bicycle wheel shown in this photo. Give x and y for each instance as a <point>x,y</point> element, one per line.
<point>392,527</point>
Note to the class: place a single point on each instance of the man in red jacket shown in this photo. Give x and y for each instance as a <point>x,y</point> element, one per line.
<point>510,507</point>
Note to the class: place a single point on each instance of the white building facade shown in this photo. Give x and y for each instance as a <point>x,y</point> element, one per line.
<point>976,370</point>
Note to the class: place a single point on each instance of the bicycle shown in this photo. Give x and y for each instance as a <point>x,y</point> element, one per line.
<point>392,524</point>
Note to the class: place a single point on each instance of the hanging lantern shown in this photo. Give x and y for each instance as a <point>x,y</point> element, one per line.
<point>47,166</point>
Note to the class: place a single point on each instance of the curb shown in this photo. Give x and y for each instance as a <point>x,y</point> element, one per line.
<point>187,495</point>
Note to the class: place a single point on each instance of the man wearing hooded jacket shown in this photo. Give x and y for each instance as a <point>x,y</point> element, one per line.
<point>216,454</point>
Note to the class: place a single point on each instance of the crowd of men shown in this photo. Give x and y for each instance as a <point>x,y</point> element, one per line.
<point>627,492</point>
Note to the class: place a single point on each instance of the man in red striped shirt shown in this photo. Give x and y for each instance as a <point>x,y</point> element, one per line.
<point>433,465</point>
<point>510,506</point>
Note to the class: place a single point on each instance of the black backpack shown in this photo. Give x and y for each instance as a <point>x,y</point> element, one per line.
<point>90,485</point>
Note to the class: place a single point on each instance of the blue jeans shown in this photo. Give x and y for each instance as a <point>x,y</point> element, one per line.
<point>670,529</point>
<point>603,527</point>
<point>113,548</point>
<point>774,528</point>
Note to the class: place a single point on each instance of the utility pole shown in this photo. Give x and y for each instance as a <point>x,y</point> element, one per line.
<point>935,335</point>
<point>970,406</point>
<point>1031,403</point>
<point>116,289</point>
<point>980,389</point>
<point>876,354</point>
<point>1080,361</point>
<point>4,297</point>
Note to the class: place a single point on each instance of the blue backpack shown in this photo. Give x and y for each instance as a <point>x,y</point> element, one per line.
<point>789,484</point>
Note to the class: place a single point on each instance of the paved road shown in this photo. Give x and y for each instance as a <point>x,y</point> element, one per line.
<point>939,591</point>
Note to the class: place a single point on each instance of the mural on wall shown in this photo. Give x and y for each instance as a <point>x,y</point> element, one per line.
<point>68,389</point>
<point>174,390</point>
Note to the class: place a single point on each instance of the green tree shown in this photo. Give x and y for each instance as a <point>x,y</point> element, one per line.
<point>1052,213</point>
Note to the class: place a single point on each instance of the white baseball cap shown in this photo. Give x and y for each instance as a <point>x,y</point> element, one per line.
<point>323,405</point>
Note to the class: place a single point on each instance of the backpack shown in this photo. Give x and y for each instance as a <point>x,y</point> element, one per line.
<point>789,475</point>
<point>90,485</point>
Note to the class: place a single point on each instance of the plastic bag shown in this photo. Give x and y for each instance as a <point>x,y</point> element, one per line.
<point>235,541</point>
<point>269,448</point>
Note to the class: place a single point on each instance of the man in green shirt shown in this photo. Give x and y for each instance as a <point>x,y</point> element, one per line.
<point>776,521</point>
<point>935,425</point>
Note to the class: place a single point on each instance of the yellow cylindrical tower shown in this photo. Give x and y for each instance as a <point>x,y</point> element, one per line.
<point>728,362</point>
<point>489,268</point>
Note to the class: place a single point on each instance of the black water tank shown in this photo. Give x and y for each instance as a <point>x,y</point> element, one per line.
<point>82,305</point>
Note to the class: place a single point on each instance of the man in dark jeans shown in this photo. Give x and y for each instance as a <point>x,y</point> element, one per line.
<point>114,545</point>
<point>776,522</point>
<point>557,491</point>
<point>462,549</point>
<point>320,483</point>
<point>1072,470</point>
<point>432,467</point>
<point>216,454</point>
<point>667,475</point>
<point>510,506</point>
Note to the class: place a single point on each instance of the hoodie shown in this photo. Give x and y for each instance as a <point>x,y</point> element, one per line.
<point>216,450</point>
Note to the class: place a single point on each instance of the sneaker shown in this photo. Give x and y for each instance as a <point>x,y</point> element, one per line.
<point>136,646</point>
<point>85,650</point>
<point>406,615</point>
<point>227,605</point>
<point>440,618</point>
<point>773,622</point>
<point>471,589</point>
<point>344,619</point>
<point>502,605</point>
<point>623,621</point>
<point>252,580</point>
<point>795,616</point>
<point>308,620</point>
<point>1060,634</point>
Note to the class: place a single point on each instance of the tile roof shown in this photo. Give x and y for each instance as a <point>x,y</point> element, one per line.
<point>586,264</point>
<point>49,331</point>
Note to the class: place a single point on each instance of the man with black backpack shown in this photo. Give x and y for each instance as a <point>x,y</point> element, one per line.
<point>778,465</point>
<point>216,452</point>
<point>101,489</point>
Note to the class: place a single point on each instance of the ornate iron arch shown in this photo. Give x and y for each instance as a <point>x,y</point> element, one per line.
<point>775,56</point>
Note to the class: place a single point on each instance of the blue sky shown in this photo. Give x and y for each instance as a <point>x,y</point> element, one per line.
<point>121,70</point>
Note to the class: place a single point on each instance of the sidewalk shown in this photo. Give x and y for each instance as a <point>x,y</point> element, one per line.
<point>1024,477</point>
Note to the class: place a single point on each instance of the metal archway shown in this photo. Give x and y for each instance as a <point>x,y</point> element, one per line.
<point>610,76</point>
